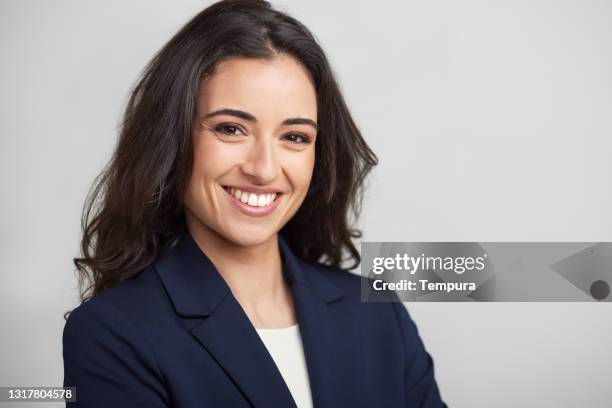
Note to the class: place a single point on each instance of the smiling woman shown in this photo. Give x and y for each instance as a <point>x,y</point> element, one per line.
<point>214,240</point>
<point>253,156</point>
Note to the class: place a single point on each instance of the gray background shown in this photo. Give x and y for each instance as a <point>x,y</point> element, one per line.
<point>491,120</point>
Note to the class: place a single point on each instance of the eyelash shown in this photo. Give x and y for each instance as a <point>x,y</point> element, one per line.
<point>219,128</point>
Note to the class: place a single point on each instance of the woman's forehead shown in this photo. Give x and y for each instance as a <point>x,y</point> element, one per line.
<point>279,85</point>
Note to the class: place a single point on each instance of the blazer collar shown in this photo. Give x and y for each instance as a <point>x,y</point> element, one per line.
<point>196,288</point>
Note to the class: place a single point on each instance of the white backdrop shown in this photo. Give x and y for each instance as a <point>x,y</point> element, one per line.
<point>492,122</point>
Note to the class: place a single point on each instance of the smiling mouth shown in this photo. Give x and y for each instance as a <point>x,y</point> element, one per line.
<point>252,199</point>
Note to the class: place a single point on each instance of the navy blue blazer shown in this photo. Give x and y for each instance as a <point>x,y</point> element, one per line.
<point>175,336</point>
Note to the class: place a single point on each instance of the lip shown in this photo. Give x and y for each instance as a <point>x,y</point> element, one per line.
<point>255,190</point>
<point>254,211</point>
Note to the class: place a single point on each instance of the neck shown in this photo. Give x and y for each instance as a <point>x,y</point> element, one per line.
<point>252,272</point>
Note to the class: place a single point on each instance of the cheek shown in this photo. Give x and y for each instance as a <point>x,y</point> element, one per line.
<point>211,159</point>
<point>208,165</point>
<point>300,170</point>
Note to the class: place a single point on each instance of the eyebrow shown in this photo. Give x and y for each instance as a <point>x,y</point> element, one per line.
<point>251,118</point>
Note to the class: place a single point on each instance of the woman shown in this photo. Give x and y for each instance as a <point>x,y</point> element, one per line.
<point>213,239</point>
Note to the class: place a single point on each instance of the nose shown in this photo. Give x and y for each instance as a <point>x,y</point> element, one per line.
<point>261,165</point>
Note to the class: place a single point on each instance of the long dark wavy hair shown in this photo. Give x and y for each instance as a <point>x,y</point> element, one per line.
<point>135,208</point>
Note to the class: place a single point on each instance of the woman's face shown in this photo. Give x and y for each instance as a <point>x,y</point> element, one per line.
<point>254,148</point>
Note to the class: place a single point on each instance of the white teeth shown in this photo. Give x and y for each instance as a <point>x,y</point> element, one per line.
<point>254,200</point>
<point>244,197</point>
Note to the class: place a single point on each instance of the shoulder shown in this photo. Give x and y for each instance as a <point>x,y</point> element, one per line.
<point>349,282</point>
<point>121,311</point>
<point>390,335</point>
<point>391,317</point>
<point>106,354</point>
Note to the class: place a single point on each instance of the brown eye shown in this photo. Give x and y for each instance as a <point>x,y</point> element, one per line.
<point>297,138</point>
<point>228,129</point>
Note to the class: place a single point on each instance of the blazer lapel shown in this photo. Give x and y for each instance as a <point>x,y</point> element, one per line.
<point>330,335</point>
<point>230,337</point>
<point>196,289</point>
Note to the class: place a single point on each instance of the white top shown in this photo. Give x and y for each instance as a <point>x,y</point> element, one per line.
<point>285,347</point>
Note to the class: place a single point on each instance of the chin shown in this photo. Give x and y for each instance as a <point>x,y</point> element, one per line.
<point>247,238</point>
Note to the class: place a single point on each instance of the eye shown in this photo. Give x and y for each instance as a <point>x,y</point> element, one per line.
<point>227,129</point>
<point>297,138</point>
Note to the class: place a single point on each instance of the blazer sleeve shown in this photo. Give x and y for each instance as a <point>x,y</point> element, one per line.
<point>108,361</point>
<point>421,387</point>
